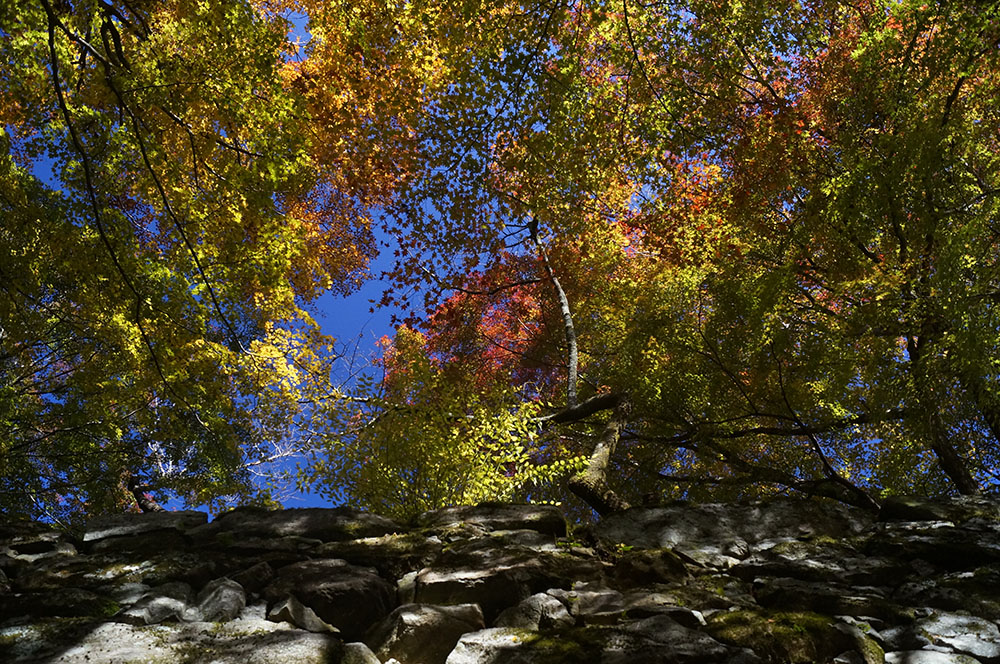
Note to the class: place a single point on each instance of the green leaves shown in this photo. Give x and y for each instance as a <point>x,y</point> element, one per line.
<point>152,287</point>
<point>422,440</point>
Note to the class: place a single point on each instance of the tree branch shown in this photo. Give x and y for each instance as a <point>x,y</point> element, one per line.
<point>572,360</point>
<point>591,485</point>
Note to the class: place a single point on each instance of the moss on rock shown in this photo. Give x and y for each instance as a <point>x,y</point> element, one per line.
<point>794,637</point>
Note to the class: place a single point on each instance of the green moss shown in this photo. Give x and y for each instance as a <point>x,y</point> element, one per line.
<point>794,637</point>
<point>871,651</point>
<point>109,608</point>
<point>570,646</point>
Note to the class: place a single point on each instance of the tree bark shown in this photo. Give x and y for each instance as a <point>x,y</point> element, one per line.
<point>591,484</point>
<point>143,499</point>
<point>572,359</point>
<point>950,461</point>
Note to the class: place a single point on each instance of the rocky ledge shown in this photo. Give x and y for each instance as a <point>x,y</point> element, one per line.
<point>780,581</point>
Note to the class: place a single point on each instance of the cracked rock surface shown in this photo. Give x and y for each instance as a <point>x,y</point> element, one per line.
<point>777,581</point>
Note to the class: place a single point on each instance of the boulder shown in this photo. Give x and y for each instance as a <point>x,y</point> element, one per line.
<point>827,598</point>
<point>823,560</point>
<point>221,600</point>
<point>392,555</point>
<point>940,543</point>
<point>492,589</point>
<point>254,578</point>
<point>541,611</point>
<point>173,602</point>
<point>719,536</point>
<point>30,545</point>
<point>495,577</point>
<point>649,604</point>
<point>238,642</point>
<point>956,509</point>
<point>652,641</point>
<point>633,569</point>
<point>293,611</point>
<point>349,597</point>
<point>341,523</point>
<point>927,657</point>
<point>795,637</point>
<point>961,633</point>
<point>542,518</point>
<point>423,633</point>
<point>358,653</point>
<point>592,605</point>
<point>122,525</point>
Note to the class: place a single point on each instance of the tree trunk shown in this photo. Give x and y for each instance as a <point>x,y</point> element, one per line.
<point>143,499</point>
<point>591,484</point>
<point>950,461</point>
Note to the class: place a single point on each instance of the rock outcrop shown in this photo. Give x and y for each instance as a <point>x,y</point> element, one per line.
<point>779,581</point>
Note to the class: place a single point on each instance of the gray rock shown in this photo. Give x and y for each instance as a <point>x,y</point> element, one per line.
<point>495,577</point>
<point>593,606</point>
<point>647,605</point>
<point>962,633</point>
<point>406,588</point>
<point>238,642</point>
<point>647,567</point>
<point>940,543</point>
<point>392,555</point>
<point>540,611</point>
<point>660,639</point>
<point>293,546</point>
<point>826,598</point>
<point>220,600</point>
<point>149,542</point>
<point>822,561</point>
<point>492,589</point>
<point>715,534</point>
<point>37,546</point>
<point>358,653</point>
<point>927,657</point>
<point>128,593</point>
<point>652,641</point>
<point>254,578</point>
<point>341,523</point>
<point>119,525</point>
<point>498,645</point>
<point>542,518</point>
<point>168,602</point>
<point>956,509</point>
<point>292,611</point>
<point>422,633</point>
<point>348,597</point>
<point>529,539</point>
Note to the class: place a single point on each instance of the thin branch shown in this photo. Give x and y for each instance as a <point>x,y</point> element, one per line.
<point>96,208</point>
<point>572,360</point>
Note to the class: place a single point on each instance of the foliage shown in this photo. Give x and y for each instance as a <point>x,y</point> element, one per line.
<point>424,439</point>
<point>774,225</point>
<point>158,179</point>
<point>763,236</point>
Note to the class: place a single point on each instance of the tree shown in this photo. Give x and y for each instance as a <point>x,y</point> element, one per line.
<point>772,229</point>
<point>715,250</point>
<point>169,206</point>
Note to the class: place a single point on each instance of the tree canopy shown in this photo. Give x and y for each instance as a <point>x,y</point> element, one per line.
<point>682,250</point>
